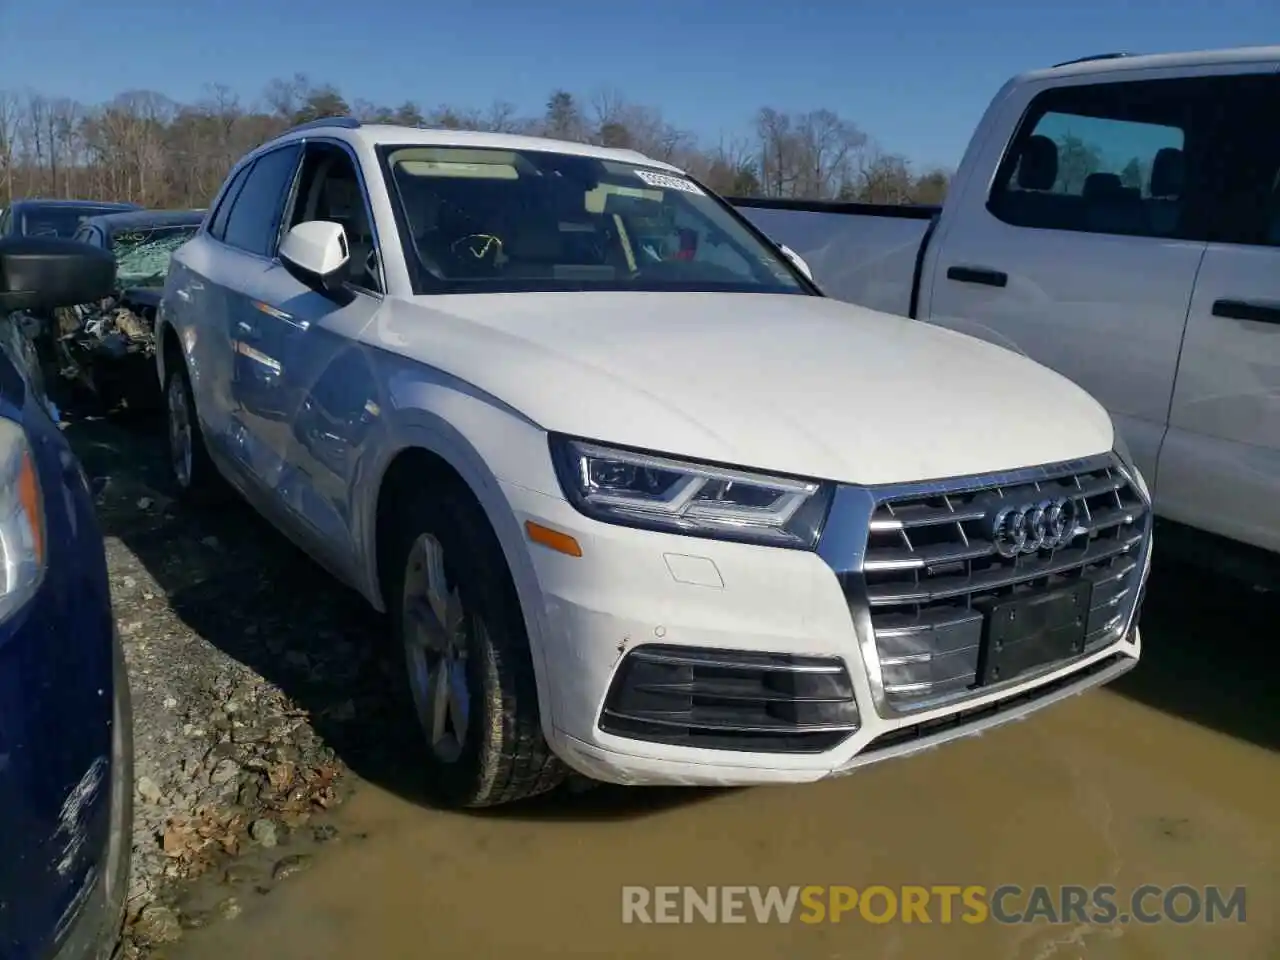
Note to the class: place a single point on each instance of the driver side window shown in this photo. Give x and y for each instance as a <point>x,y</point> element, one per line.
<point>330,189</point>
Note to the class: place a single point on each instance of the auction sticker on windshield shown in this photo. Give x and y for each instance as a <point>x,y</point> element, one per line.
<point>668,182</point>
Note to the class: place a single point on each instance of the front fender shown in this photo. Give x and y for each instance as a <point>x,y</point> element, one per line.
<point>484,442</point>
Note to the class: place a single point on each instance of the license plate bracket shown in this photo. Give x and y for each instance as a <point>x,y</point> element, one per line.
<point>1034,629</point>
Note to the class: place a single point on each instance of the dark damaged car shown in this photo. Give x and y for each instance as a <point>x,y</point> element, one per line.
<point>53,218</point>
<point>66,762</point>
<point>108,346</point>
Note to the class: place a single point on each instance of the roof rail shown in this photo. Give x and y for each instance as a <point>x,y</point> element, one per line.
<point>346,123</point>
<point>1096,56</point>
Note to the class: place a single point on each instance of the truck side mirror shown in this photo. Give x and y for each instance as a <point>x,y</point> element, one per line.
<point>796,259</point>
<point>40,273</point>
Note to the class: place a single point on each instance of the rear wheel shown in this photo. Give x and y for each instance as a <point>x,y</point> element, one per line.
<point>466,670</point>
<point>193,472</point>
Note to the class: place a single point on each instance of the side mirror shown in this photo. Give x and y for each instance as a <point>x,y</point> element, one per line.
<point>796,259</point>
<point>316,253</point>
<point>38,274</point>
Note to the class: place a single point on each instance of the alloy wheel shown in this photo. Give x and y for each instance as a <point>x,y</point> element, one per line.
<point>181,445</point>
<point>436,633</point>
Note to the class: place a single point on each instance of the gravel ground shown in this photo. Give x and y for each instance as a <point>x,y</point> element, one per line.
<point>257,683</point>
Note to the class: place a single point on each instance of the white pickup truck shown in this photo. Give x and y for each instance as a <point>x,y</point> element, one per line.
<point>1117,219</point>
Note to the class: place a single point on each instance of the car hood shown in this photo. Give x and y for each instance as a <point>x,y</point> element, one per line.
<point>796,384</point>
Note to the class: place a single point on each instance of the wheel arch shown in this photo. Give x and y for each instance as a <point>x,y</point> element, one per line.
<point>168,346</point>
<point>427,445</point>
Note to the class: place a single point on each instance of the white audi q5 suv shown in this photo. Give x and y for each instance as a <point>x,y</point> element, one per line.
<point>639,499</point>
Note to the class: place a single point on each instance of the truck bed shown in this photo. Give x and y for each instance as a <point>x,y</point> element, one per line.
<point>864,253</point>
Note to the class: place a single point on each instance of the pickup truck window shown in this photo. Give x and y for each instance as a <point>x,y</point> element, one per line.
<point>1240,174</point>
<point>1106,158</point>
<point>487,219</point>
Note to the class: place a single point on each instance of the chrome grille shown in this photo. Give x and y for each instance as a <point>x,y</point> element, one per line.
<point>931,567</point>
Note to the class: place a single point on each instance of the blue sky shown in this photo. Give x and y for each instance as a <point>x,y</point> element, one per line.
<point>915,75</point>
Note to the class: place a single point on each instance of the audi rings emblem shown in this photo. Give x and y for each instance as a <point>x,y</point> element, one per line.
<point>1030,527</point>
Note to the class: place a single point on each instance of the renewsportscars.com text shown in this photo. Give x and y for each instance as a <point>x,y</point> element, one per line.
<point>973,904</point>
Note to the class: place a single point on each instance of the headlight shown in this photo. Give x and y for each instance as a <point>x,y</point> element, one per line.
<point>22,530</point>
<point>658,493</point>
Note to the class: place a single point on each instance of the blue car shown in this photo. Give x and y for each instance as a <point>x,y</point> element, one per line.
<point>66,751</point>
<point>54,218</point>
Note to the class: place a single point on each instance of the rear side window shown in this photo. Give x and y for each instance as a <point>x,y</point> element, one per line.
<point>218,223</point>
<point>1105,158</point>
<point>253,225</point>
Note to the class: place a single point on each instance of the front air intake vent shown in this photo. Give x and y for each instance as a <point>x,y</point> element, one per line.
<point>731,700</point>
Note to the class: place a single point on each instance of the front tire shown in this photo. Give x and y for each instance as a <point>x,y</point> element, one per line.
<point>193,472</point>
<point>463,658</point>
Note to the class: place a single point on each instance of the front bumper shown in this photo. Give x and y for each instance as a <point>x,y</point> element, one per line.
<point>633,587</point>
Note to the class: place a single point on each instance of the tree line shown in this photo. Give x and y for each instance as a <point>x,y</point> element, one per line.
<point>144,147</point>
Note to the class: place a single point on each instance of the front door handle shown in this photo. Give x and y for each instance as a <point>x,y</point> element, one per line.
<point>982,275</point>
<point>1259,311</point>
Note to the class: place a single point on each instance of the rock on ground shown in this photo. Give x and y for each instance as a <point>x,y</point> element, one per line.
<point>256,678</point>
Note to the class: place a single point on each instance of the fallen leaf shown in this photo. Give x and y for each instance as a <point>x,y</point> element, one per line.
<point>281,775</point>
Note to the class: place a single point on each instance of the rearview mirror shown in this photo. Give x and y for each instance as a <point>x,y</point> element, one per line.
<point>40,273</point>
<point>315,253</point>
<point>796,259</point>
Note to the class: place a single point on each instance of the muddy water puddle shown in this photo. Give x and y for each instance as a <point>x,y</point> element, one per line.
<point>1099,790</point>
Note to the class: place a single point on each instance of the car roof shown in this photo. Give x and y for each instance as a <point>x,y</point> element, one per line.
<point>74,204</point>
<point>134,219</point>
<point>376,134</point>
<point>1111,63</point>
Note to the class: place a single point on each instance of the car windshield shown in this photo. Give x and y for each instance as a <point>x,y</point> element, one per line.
<point>142,254</point>
<point>57,221</point>
<point>486,219</point>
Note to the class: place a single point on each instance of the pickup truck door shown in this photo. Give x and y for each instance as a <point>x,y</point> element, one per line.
<point>1220,465</point>
<point>1074,257</point>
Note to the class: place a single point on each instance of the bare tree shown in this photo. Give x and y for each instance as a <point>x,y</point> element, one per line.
<point>883,178</point>
<point>10,129</point>
<point>779,175</point>
<point>827,148</point>
<point>143,147</point>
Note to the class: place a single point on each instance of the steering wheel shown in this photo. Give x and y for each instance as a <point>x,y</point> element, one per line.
<point>484,247</point>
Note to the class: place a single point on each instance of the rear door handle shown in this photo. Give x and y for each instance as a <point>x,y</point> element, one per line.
<point>988,278</point>
<point>1256,310</point>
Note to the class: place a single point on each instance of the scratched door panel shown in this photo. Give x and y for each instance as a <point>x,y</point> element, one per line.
<point>259,404</point>
<point>325,387</point>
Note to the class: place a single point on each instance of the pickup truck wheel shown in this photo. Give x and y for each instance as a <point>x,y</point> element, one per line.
<point>197,479</point>
<point>467,671</point>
